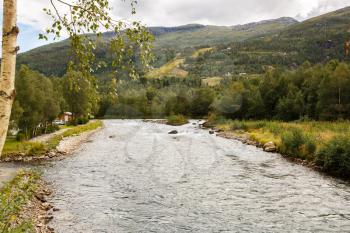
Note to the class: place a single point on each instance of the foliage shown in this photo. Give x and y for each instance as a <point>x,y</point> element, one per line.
<point>334,157</point>
<point>297,144</point>
<point>37,102</point>
<point>84,22</point>
<point>80,94</point>
<point>13,197</point>
<point>177,120</point>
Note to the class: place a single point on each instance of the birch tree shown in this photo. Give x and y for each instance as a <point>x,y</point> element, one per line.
<point>83,21</point>
<point>8,66</point>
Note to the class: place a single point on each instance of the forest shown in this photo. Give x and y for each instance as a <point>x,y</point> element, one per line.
<point>310,92</point>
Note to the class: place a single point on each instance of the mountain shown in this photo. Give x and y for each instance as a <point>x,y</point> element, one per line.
<point>213,35</point>
<point>250,48</point>
<point>52,59</point>
<point>316,40</point>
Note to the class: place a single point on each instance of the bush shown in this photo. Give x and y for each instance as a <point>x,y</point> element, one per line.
<point>295,144</point>
<point>36,149</point>
<point>334,157</point>
<point>177,120</point>
<point>52,128</point>
<point>82,120</point>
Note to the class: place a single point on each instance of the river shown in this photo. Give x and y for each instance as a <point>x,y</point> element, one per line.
<point>133,176</point>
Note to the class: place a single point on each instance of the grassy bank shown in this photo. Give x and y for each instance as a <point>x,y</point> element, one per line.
<point>324,144</point>
<point>177,120</point>
<point>13,197</point>
<point>26,148</point>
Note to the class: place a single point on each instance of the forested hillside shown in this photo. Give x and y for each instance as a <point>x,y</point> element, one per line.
<point>250,48</point>
<point>52,59</point>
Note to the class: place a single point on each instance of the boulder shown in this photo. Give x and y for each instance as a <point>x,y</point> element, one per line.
<point>270,147</point>
<point>173,132</point>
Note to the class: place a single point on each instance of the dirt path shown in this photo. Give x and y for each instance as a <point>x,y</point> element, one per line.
<point>46,137</point>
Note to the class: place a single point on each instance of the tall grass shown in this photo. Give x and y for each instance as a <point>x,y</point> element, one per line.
<point>325,143</point>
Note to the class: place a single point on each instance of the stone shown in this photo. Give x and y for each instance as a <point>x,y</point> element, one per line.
<point>112,136</point>
<point>173,132</point>
<point>212,132</point>
<point>41,197</point>
<point>46,206</point>
<point>51,154</point>
<point>270,147</point>
<point>47,218</point>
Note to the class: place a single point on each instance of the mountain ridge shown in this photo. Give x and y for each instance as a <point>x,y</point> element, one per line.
<point>281,35</point>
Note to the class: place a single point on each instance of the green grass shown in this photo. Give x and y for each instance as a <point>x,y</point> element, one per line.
<point>177,120</point>
<point>14,148</point>
<point>13,197</point>
<point>318,142</point>
<point>169,69</point>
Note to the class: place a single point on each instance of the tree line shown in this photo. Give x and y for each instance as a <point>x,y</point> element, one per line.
<point>40,100</point>
<point>315,92</point>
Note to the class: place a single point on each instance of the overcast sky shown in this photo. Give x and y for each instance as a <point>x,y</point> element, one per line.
<point>178,12</point>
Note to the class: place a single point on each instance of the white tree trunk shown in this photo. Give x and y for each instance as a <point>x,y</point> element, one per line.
<point>8,66</point>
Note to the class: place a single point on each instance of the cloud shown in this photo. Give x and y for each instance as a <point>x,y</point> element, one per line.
<point>216,12</point>
<point>172,13</point>
<point>224,12</point>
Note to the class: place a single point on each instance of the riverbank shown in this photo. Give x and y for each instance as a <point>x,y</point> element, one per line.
<point>23,196</point>
<point>324,146</point>
<point>51,146</point>
<point>23,204</point>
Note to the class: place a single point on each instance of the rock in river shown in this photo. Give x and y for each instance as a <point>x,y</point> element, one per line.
<point>270,147</point>
<point>173,132</point>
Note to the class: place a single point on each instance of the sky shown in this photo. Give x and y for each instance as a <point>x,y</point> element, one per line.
<point>32,20</point>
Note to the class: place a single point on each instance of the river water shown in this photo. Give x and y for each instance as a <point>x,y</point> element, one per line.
<point>135,177</point>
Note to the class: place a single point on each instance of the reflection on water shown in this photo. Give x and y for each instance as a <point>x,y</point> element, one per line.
<point>135,177</point>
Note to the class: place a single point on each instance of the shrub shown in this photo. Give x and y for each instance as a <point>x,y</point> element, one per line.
<point>52,128</point>
<point>334,157</point>
<point>36,149</point>
<point>82,120</point>
<point>294,143</point>
<point>177,120</point>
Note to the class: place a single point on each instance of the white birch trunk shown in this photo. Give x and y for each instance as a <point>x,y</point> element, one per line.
<point>8,66</point>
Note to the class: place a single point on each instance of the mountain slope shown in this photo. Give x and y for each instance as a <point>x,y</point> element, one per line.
<point>316,40</point>
<point>249,48</point>
<point>52,59</point>
<point>213,35</point>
